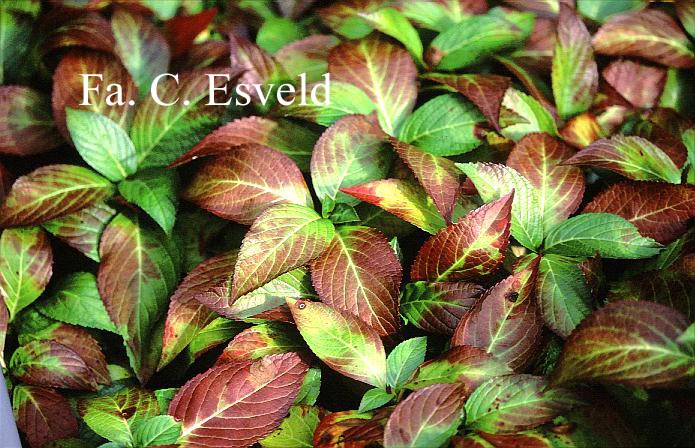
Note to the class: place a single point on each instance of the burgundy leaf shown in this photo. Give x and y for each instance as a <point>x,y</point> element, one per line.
<point>182,30</point>
<point>258,66</point>
<point>43,415</point>
<point>351,429</point>
<point>640,84</point>
<point>89,29</point>
<point>26,126</point>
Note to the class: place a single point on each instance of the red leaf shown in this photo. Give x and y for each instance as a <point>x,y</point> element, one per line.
<point>83,29</point>
<point>438,176</point>
<point>485,91</point>
<point>26,125</point>
<point>538,158</point>
<point>632,343</point>
<point>506,321</point>
<point>350,429</point>
<point>261,340</point>
<point>660,211</point>
<point>360,274</point>
<point>429,414</point>
<point>43,415</point>
<point>472,247</point>
<point>182,30</point>
<point>68,87</point>
<point>242,185</point>
<point>640,84</point>
<point>236,404</point>
<point>651,34</point>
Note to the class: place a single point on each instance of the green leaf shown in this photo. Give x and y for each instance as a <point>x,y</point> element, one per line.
<point>342,341</point>
<point>444,126</point>
<point>76,300</point>
<point>296,430</point>
<point>574,72</point>
<point>473,39</point>
<point>404,360</point>
<point>563,294</point>
<point>374,399</point>
<point>515,402</point>
<point>688,138</point>
<point>155,191</point>
<point>284,237</point>
<point>15,33</point>
<point>102,143</point>
<point>534,117</point>
<point>155,431</point>
<point>392,22</point>
<point>276,32</point>
<point>311,387</point>
<point>26,263</point>
<point>600,11</point>
<point>440,16</point>
<point>215,333</point>
<point>604,233</point>
<point>494,181</point>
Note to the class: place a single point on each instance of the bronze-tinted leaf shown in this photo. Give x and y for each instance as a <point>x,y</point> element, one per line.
<point>49,363</point>
<point>659,211</point>
<point>351,429</point>
<point>505,322</point>
<point>236,404</point>
<point>88,29</point>
<point>472,247</point>
<point>640,84</point>
<point>43,415</point>
<point>360,274</point>
<point>26,125</point>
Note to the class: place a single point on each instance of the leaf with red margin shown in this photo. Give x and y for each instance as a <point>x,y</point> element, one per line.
<point>506,321</point>
<point>271,338</point>
<point>343,16</point>
<point>26,261</point>
<point>438,307</point>
<point>473,247</point>
<point>640,84</point>
<point>351,429</point>
<point>81,342</point>
<point>162,133</point>
<point>668,141</point>
<point>43,415</point>
<point>438,176</point>
<point>82,230</point>
<point>650,34</point>
<point>384,71</point>
<point>485,91</point>
<point>634,157</point>
<point>83,29</point>
<point>26,125</point>
<point>289,138</point>
<point>574,72</point>
<point>350,152</point>
<point>246,182</point>
<point>141,46</point>
<point>402,198</point>
<point>513,403</point>
<point>659,211</point>
<point>631,343</point>
<point>344,342</point>
<point>284,237</point>
<point>181,31</point>
<point>68,87</point>
<point>360,274</point>
<point>307,56</point>
<point>582,130</point>
<point>50,192</point>
<point>189,310</point>
<point>136,275</point>
<point>216,406</point>
<point>538,158</point>
<point>49,363</point>
<point>258,67</point>
<point>428,417</point>
<point>465,365</point>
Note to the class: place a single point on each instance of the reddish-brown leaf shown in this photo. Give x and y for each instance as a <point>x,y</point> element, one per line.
<point>428,417</point>
<point>258,66</point>
<point>68,87</point>
<point>384,71</point>
<point>485,91</point>
<point>359,273</point>
<point>236,404</point>
<point>88,29</point>
<point>26,125</point>
<point>659,211</point>
<point>640,84</point>
<point>6,181</point>
<point>43,415</point>
<point>632,343</point>
<point>242,185</point>
<point>669,142</point>
<point>650,34</point>
<point>350,429</point>
<point>506,321</point>
<point>473,247</point>
<point>270,338</point>
<point>182,30</point>
<point>538,158</point>
<point>438,176</point>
